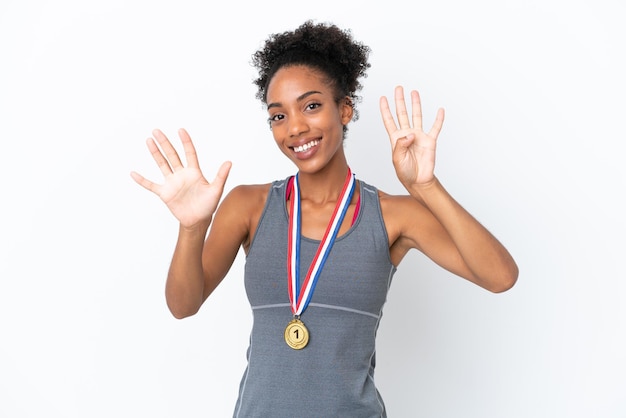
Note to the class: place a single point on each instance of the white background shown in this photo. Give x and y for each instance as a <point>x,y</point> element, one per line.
<point>532,145</point>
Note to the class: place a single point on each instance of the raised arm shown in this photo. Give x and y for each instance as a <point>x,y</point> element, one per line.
<point>446,232</point>
<point>193,201</point>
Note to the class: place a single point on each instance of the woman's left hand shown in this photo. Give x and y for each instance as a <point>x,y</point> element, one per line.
<point>413,150</point>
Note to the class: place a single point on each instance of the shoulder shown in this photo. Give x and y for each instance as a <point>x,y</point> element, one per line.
<point>241,209</point>
<point>397,204</point>
<point>245,198</point>
<point>393,205</point>
<point>245,192</point>
<point>406,219</point>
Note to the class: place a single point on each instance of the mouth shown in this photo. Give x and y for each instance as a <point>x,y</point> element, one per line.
<point>306,147</point>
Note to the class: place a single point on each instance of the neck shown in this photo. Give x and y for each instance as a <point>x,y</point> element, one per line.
<point>323,186</point>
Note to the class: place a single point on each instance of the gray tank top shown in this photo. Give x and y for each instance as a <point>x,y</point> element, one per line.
<point>333,376</point>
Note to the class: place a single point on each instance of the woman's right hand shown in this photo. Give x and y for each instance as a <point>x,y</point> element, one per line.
<point>185,191</point>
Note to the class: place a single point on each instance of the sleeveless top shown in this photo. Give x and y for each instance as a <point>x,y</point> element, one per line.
<point>333,376</point>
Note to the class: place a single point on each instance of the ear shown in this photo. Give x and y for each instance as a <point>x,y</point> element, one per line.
<point>347,110</point>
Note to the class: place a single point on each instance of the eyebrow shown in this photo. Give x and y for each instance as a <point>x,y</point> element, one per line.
<point>299,98</point>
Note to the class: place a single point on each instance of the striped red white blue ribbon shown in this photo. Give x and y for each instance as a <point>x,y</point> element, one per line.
<point>299,296</point>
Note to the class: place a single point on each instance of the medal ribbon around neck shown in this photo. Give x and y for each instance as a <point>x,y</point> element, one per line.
<point>298,297</point>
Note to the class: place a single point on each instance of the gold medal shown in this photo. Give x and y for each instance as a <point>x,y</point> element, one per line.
<point>296,334</point>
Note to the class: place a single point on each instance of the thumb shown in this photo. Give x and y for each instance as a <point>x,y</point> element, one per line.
<point>402,144</point>
<point>222,174</point>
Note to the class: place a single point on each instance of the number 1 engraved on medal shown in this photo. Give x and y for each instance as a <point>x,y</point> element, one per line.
<point>296,334</point>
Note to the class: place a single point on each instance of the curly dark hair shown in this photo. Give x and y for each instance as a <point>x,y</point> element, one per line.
<point>322,46</point>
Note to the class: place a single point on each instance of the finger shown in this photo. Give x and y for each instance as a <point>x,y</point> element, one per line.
<point>401,112</point>
<point>222,174</point>
<point>436,128</point>
<point>145,183</point>
<point>158,157</point>
<point>170,152</point>
<point>190,150</point>
<point>416,106</point>
<point>388,121</point>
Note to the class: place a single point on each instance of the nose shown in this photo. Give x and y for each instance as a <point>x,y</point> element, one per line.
<point>297,125</point>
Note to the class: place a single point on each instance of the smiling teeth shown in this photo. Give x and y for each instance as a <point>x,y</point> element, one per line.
<point>306,146</point>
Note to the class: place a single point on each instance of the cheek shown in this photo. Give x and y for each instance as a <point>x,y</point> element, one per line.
<point>336,123</point>
<point>278,137</point>
<point>277,134</point>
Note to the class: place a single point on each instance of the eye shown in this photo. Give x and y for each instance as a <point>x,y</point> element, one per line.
<point>313,106</point>
<point>275,118</point>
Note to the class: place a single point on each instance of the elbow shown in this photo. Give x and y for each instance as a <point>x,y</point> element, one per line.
<point>181,315</point>
<point>502,286</point>
<point>181,312</point>
<point>182,303</point>
<point>506,280</point>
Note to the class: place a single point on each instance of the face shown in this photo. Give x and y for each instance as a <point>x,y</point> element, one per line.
<point>306,120</point>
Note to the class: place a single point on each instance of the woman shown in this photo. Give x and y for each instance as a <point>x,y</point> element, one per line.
<point>321,246</point>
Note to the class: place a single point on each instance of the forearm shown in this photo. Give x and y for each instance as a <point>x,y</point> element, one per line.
<point>490,264</point>
<point>184,288</point>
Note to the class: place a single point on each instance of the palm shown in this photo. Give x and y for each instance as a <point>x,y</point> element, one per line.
<point>185,191</point>
<point>413,150</point>
<point>189,196</point>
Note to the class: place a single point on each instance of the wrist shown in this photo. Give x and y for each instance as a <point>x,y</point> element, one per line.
<point>199,228</point>
<point>422,191</point>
